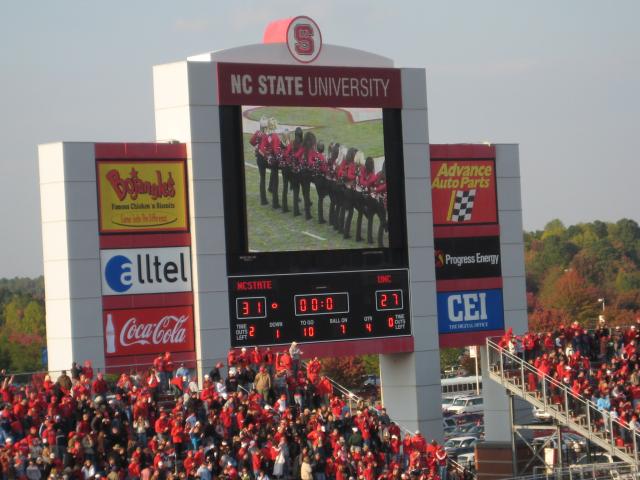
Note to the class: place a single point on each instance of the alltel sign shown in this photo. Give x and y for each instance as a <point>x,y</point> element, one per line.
<point>304,39</point>
<point>148,330</point>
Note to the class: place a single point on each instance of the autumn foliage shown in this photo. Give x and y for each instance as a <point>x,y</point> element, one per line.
<point>571,272</point>
<point>22,324</point>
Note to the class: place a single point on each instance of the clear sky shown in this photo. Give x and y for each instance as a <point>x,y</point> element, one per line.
<point>561,78</point>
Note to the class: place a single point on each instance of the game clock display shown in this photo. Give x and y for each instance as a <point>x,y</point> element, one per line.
<point>318,307</point>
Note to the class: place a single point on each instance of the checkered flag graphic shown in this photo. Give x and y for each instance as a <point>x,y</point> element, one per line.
<point>461,205</point>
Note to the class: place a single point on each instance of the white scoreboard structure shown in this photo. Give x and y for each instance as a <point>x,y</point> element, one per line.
<point>291,194</point>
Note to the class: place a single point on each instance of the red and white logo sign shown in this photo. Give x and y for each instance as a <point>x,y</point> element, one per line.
<point>148,330</point>
<point>304,39</point>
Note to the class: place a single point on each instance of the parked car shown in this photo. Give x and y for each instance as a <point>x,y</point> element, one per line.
<point>446,402</point>
<point>541,415</point>
<point>461,430</point>
<point>450,432</point>
<point>370,386</point>
<point>477,418</point>
<point>467,460</point>
<point>371,381</point>
<point>477,430</point>
<point>449,422</point>
<point>469,404</point>
<point>458,445</point>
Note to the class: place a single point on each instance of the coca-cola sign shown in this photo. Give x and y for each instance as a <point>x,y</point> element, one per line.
<point>148,330</point>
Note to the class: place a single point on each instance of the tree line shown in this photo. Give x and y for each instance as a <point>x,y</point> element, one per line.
<point>22,324</point>
<point>571,274</point>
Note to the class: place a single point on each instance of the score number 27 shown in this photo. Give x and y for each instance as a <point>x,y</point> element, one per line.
<point>389,300</point>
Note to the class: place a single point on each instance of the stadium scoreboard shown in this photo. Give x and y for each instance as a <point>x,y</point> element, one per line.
<point>319,307</point>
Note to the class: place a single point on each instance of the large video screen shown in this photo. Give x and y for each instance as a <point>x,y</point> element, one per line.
<point>315,178</point>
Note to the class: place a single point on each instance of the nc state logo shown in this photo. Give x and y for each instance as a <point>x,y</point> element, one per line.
<point>439,258</point>
<point>304,39</point>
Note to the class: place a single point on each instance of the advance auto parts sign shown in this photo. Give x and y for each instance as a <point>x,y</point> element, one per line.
<point>463,192</point>
<point>142,196</point>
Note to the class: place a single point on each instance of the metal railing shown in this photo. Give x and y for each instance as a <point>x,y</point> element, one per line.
<point>556,399</point>
<point>593,471</point>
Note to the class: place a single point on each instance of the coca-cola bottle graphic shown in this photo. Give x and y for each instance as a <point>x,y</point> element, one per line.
<point>111,335</point>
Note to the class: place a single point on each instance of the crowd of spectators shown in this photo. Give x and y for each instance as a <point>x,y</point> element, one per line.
<point>262,415</point>
<point>600,365</point>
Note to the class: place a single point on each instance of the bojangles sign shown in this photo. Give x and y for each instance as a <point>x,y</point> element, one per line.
<point>148,330</point>
<point>142,196</point>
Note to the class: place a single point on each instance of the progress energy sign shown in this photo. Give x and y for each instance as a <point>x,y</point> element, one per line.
<point>148,331</point>
<point>462,258</point>
<point>142,196</point>
<point>468,260</point>
<point>463,192</point>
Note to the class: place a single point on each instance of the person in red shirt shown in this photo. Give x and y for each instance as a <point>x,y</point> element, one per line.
<point>324,388</point>
<point>269,360</point>
<point>134,469</point>
<point>158,365</point>
<point>284,362</point>
<point>313,371</point>
<point>162,426</point>
<point>406,448</point>
<point>99,386</point>
<point>87,370</point>
<point>177,436</point>
<point>441,460</point>
<point>255,358</point>
<point>168,366</point>
<point>419,443</point>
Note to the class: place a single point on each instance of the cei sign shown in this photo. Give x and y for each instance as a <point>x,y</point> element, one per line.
<point>470,311</point>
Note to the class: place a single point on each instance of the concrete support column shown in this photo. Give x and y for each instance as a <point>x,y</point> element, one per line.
<point>411,391</point>
<point>71,255</point>
<point>411,381</point>
<point>185,98</point>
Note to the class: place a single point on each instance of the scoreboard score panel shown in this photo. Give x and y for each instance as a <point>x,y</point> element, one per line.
<point>319,307</point>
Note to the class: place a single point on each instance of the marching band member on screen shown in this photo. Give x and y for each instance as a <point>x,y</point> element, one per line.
<point>256,141</point>
<point>347,177</point>
<point>285,141</point>
<point>270,150</point>
<point>319,168</point>
<point>365,204</point>
<point>330,176</point>
<point>305,157</point>
<point>380,192</point>
<point>291,173</point>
